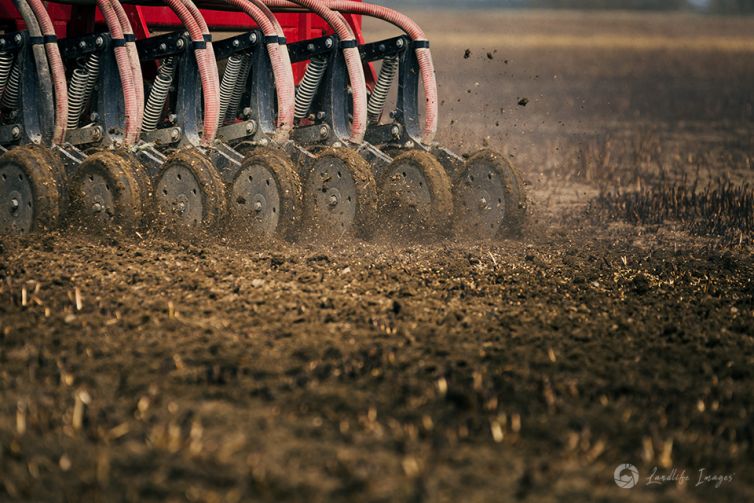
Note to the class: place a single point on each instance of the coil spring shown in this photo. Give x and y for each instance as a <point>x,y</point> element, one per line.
<point>381,89</point>
<point>158,95</point>
<point>80,89</point>
<point>92,70</point>
<point>76,96</point>
<point>228,85</point>
<point>239,89</point>
<point>309,85</point>
<point>12,88</point>
<point>6,63</point>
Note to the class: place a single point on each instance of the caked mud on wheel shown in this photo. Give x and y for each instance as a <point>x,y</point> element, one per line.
<point>31,197</point>
<point>416,201</point>
<point>265,196</point>
<point>109,191</point>
<point>189,194</point>
<point>340,196</point>
<point>489,198</point>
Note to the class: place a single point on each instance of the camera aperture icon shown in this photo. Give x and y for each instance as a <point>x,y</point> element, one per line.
<point>626,476</point>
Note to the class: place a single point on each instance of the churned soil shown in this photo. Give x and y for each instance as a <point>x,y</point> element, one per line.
<point>156,369</point>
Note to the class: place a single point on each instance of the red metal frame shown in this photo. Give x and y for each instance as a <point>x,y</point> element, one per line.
<point>72,20</point>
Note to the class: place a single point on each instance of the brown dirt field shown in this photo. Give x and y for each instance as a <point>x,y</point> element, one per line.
<point>139,368</point>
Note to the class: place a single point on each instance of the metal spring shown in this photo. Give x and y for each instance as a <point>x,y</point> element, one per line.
<point>92,70</point>
<point>76,96</point>
<point>239,89</point>
<point>227,86</point>
<point>381,89</point>
<point>158,95</point>
<point>6,63</point>
<point>12,89</point>
<point>309,85</point>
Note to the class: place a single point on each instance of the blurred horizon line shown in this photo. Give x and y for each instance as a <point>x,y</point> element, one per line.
<point>724,7</point>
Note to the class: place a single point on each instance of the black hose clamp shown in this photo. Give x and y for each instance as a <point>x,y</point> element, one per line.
<point>274,39</point>
<point>201,44</point>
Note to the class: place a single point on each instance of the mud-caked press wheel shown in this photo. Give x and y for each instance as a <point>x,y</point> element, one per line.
<point>490,201</point>
<point>31,198</point>
<point>340,196</point>
<point>415,196</point>
<point>265,196</point>
<point>144,182</point>
<point>109,191</point>
<point>189,194</point>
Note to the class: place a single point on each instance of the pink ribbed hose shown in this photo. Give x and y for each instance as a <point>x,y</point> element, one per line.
<point>353,62</point>
<point>56,69</point>
<point>286,56</point>
<point>133,56</point>
<point>210,63</point>
<point>131,134</point>
<point>285,68</point>
<point>210,82</point>
<point>423,55</point>
<point>284,83</point>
